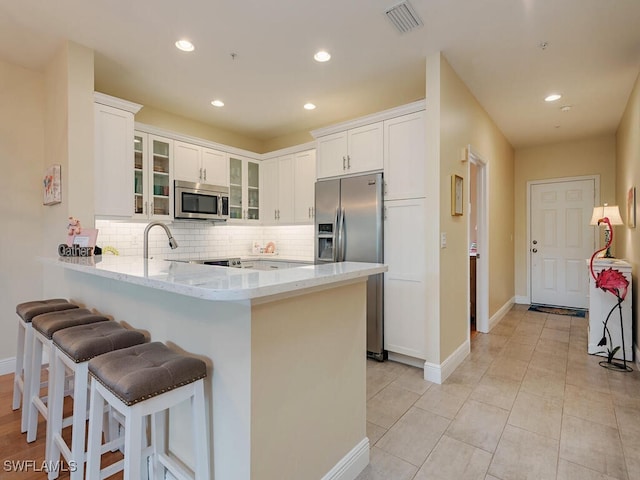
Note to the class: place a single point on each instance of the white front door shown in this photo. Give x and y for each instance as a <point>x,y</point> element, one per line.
<point>560,241</point>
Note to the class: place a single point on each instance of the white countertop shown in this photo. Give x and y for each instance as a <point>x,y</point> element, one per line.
<point>215,283</point>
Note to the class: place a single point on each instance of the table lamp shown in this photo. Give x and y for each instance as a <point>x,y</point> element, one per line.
<point>612,212</point>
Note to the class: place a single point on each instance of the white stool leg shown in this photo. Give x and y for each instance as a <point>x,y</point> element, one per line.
<point>79,418</point>
<point>94,449</point>
<point>26,377</point>
<point>18,377</point>
<point>200,432</point>
<point>34,389</point>
<point>158,442</point>
<point>56,403</point>
<point>133,444</point>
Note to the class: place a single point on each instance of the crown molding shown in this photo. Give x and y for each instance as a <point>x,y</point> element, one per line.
<point>104,99</point>
<point>369,119</point>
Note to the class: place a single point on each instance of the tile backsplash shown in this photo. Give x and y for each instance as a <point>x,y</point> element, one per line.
<point>206,240</point>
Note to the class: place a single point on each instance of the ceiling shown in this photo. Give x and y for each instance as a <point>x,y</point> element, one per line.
<point>592,57</point>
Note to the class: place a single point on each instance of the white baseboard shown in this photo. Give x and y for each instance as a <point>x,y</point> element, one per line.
<point>439,373</point>
<point>496,317</point>
<point>7,365</point>
<point>522,299</point>
<point>406,359</point>
<point>350,466</point>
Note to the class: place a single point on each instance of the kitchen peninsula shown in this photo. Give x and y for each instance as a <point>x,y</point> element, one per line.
<point>286,351</point>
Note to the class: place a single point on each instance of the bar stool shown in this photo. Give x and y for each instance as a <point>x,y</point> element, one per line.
<point>21,378</point>
<point>73,348</point>
<point>146,380</point>
<point>44,326</point>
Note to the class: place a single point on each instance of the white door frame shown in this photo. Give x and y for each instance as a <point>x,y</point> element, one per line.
<point>482,265</point>
<point>596,200</point>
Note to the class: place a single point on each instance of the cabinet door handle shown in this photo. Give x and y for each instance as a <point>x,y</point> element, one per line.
<point>144,210</point>
<point>275,214</point>
<point>309,212</point>
<point>385,213</point>
<point>151,208</point>
<point>348,162</point>
<point>205,174</point>
<point>344,162</point>
<point>200,174</point>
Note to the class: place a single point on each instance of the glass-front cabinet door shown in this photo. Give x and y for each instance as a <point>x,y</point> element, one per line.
<point>139,176</point>
<point>244,189</point>
<point>161,186</point>
<point>253,191</point>
<point>235,188</point>
<point>153,176</point>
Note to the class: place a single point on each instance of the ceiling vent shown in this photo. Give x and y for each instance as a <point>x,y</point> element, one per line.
<point>403,17</point>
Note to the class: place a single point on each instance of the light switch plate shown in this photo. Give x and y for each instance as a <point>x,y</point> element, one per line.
<point>443,240</point>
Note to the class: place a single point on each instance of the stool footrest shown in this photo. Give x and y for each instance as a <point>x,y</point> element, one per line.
<point>177,469</point>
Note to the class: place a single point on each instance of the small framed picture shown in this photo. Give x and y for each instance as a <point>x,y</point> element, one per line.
<point>631,208</point>
<point>457,207</point>
<point>52,186</point>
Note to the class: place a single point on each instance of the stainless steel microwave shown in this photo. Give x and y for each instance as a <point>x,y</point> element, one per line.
<point>200,201</point>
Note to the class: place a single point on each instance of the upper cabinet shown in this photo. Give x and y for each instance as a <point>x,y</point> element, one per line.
<point>194,163</point>
<point>356,150</point>
<point>113,153</point>
<point>304,167</point>
<point>288,184</point>
<point>404,156</point>
<point>153,177</point>
<point>277,190</point>
<point>244,189</point>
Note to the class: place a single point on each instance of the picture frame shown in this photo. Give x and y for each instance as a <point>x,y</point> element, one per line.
<point>631,208</point>
<point>457,195</point>
<point>52,186</point>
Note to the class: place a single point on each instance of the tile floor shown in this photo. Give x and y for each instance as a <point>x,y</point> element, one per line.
<point>528,403</point>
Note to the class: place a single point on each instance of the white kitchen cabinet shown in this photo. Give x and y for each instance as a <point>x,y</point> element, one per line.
<point>404,156</point>
<point>304,166</point>
<point>277,190</point>
<point>113,131</point>
<point>601,303</point>
<point>356,150</point>
<point>153,177</point>
<point>194,163</point>
<point>404,283</point>
<point>244,190</point>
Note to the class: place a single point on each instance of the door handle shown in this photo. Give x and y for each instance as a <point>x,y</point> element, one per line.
<point>535,250</point>
<point>348,162</point>
<point>344,162</point>
<point>205,174</point>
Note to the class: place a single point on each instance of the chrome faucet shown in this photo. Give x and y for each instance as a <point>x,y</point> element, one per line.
<point>172,241</point>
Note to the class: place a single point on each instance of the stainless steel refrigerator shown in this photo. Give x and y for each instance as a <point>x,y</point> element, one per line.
<point>349,227</point>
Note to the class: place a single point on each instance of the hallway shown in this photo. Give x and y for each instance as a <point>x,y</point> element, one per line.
<point>528,403</point>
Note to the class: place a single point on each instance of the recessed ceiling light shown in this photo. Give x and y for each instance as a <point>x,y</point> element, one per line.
<point>185,45</point>
<point>322,56</point>
<point>553,97</point>
<point>309,106</point>
<point>217,103</point>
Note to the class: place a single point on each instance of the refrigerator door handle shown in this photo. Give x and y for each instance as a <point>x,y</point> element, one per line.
<point>341,240</point>
<point>336,238</point>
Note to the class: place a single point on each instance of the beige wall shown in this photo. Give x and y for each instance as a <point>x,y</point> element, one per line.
<point>168,121</point>
<point>628,175</point>
<point>22,165</point>
<point>45,119</point>
<point>592,156</point>
<point>463,121</point>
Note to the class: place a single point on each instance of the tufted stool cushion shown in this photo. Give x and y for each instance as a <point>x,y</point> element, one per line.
<point>137,373</point>
<point>83,342</point>
<point>49,323</point>
<point>28,310</point>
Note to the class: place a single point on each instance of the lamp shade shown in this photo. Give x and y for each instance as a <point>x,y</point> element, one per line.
<point>612,212</point>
